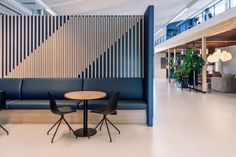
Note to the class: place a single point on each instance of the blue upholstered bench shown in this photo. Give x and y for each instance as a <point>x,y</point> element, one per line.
<point>131,92</point>
<point>31,93</point>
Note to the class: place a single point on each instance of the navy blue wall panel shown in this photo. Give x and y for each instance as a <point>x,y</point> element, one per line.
<point>148,61</point>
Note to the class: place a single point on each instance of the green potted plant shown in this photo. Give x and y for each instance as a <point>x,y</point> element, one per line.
<point>193,64</point>
<point>181,76</point>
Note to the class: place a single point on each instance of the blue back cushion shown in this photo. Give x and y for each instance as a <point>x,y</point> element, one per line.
<point>38,88</point>
<point>130,89</point>
<point>11,87</point>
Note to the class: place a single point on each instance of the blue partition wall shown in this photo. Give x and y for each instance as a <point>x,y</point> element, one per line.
<point>148,61</point>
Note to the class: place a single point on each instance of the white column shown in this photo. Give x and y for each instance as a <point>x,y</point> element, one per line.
<point>168,64</point>
<point>204,70</point>
<point>174,56</point>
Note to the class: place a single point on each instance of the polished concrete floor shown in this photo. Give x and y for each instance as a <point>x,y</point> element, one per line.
<point>187,124</point>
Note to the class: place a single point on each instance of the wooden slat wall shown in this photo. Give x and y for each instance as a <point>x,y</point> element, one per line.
<point>71,46</point>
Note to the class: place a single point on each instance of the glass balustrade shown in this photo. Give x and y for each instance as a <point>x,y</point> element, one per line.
<point>206,14</point>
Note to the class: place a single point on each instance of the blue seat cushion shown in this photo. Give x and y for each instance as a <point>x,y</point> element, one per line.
<point>122,104</point>
<point>11,87</point>
<point>38,88</point>
<point>39,104</point>
<point>9,101</point>
<point>129,88</point>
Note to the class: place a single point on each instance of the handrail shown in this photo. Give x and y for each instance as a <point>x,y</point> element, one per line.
<point>198,17</point>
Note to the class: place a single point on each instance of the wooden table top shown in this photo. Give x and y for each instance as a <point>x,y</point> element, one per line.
<point>85,95</point>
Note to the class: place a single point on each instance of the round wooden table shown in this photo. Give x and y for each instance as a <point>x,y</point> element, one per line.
<point>85,96</point>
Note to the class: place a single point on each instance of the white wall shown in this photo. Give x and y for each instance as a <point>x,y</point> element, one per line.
<point>158,72</point>
<point>230,66</point>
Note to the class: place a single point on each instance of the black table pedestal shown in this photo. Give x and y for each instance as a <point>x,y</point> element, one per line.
<point>81,133</point>
<point>85,131</point>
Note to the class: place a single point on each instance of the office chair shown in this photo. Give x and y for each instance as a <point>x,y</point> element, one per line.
<point>2,106</point>
<point>61,111</point>
<point>109,109</point>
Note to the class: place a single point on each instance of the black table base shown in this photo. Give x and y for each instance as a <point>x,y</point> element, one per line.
<point>81,133</point>
<point>85,131</point>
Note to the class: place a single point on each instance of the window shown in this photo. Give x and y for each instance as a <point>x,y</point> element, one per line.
<point>220,7</point>
<point>211,12</point>
<point>198,19</point>
<point>208,13</point>
<point>232,3</point>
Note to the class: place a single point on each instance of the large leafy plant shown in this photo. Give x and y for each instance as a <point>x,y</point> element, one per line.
<point>191,61</point>
<point>179,73</point>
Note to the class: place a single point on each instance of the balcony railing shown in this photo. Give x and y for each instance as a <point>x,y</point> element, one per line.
<point>198,18</point>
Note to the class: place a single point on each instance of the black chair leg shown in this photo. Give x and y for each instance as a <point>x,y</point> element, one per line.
<point>68,125</point>
<point>98,124</point>
<point>53,126</point>
<point>102,123</point>
<point>108,130</point>
<point>4,129</point>
<point>56,130</point>
<point>113,125</point>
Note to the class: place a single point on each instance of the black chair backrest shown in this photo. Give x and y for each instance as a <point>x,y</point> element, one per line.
<point>53,104</point>
<point>112,102</point>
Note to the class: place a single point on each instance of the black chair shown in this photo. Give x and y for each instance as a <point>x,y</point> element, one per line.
<point>4,128</point>
<point>2,106</point>
<point>109,109</point>
<point>61,111</point>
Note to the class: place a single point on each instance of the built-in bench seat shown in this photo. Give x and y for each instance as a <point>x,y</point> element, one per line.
<point>31,93</point>
<point>122,104</point>
<point>37,104</point>
<point>131,92</point>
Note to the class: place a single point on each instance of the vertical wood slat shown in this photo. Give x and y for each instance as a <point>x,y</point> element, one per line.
<point>10,57</point>
<point>131,46</point>
<point>1,43</point>
<point>142,43</point>
<point>14,42</point>
<point>7,46</point>
<point>4,45</point>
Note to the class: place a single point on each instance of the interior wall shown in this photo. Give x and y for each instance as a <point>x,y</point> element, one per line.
<point>230,66</point>
<point>158,72</point>
<point>71,46</point>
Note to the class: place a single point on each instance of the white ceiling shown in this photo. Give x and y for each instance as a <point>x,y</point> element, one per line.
<point>165,10</point>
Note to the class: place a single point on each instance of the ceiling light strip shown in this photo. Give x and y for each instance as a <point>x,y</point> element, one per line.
<point>178,15</point>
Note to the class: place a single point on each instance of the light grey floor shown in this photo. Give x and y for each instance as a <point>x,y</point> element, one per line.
<point>187,124</point>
